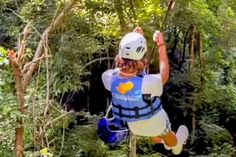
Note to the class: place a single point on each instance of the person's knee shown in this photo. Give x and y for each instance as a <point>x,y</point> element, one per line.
<point>157,140</point>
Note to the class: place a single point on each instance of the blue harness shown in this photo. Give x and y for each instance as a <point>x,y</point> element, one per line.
<point>128,102</point>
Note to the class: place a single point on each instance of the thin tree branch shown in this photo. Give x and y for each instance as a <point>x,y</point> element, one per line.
<point>58,118</point>
<point>95,60</point>
<point>23,43</point>
<point>47,77</point>
<point>63,138</point>
<point>34,61</point>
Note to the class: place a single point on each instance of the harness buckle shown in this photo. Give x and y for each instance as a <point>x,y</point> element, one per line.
<point>147,98</point>
<point>152,108</point>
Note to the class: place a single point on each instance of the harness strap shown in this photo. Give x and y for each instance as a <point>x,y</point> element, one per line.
<point>120,110</point>
<point>137,115</point>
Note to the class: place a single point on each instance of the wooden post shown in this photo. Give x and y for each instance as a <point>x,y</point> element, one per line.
<point>132,146</point>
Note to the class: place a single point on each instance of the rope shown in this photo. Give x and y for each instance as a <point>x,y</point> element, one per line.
<point>108,110</point>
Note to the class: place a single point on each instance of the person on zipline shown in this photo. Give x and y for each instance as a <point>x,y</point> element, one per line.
<point>136,95</point>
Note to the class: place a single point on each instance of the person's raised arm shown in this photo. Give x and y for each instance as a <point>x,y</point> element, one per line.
<point>163,58</point>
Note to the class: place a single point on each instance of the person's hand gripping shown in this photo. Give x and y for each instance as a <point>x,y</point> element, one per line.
<point>158,38</point>
<point>138,30</point>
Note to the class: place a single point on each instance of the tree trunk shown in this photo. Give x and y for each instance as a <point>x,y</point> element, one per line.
<point>201,57</point>
<point>134,17</point>
<point>119,10</point>
<point>193,138</point>
<point>19,141</point>
<point>184,49</point>
<point>23,77</point>
<point>175,44</point>
<point>20,92</point>
<point>191,66</point>
<point>191,48</point>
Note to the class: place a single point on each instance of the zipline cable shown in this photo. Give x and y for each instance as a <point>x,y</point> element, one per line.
<point>171,5</point>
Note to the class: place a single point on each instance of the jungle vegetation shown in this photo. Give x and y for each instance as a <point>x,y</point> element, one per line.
<point>52,55</point>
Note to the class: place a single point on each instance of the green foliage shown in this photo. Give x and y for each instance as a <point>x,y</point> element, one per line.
<point>145,147</point>
<point>150,11</point>
<point>83,141</point>
<point>101,16</point>
<point>74,54</point>
<point>9,112</point>
<point>224,150</point>
<point>39,12</point>
<point>78,41</point>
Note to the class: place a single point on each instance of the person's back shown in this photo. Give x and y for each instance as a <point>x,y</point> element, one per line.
<point>129,101</point>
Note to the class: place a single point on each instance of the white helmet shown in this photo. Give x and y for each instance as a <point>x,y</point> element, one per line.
<point>132,46</point>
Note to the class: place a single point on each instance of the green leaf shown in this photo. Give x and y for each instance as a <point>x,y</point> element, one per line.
<point>3,52</point>
<point>3,55</point>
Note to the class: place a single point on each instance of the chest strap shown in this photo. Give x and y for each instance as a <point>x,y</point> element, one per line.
<point>136,110</point>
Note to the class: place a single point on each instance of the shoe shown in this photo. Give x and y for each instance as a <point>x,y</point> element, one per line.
<point>182,135</point>
<point>166,147</point>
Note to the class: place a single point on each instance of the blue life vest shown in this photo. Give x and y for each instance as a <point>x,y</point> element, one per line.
<point>128,102</point>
